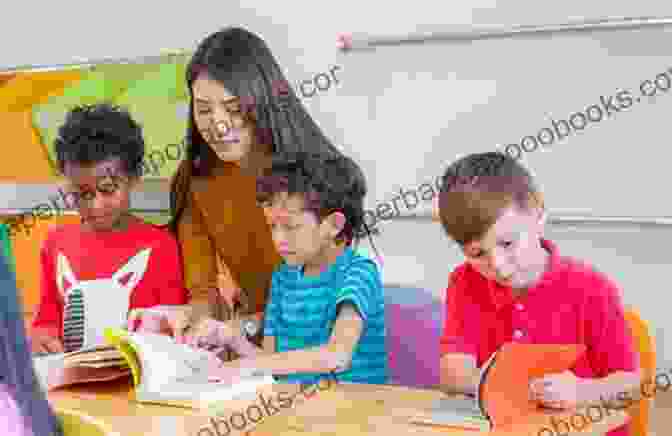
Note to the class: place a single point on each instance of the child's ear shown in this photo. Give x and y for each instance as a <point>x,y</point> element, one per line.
<point>134,182</point>
<point>435,209</point>
<point>541,219</point>
<point>336,222</point>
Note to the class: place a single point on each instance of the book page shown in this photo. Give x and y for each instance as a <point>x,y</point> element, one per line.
<point>178,373</point>
<point>454,412</point>
<point>163,361</point>
<point>202,394</point>
<point>46,365</point>
<point>53,372</point>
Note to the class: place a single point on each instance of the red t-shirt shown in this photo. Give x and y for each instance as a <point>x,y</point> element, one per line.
<point>571,304</point>
<point>144,257</point>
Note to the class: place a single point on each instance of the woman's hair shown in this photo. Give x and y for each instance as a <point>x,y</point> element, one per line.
<point>16,365</point>
<point>242,62</point>
<point>327,184</point>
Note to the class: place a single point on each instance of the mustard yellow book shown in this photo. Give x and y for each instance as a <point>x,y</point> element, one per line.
<point>166,372</point>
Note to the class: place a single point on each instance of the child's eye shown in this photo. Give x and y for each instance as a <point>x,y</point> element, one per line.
<point>86,195</point>
<point>507,244</point>
<point>108,189</point>
<point>110,185</point>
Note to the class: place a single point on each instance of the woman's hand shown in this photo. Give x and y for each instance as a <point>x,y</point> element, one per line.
<point>173,320</point>
<point>211,334</point>
<point>227,288</point>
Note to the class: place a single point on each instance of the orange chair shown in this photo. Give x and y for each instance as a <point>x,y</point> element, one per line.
<point>639,412</point>
<point>26,250</point>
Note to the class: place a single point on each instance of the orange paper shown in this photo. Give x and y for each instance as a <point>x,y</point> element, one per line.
<point>506,392</point>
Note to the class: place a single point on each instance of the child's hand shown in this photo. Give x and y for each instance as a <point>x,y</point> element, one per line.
<point>559,391</point>
<point>153,319</point>
<point>225,372</point>
<point>210,333</point>
<point>41,342</point>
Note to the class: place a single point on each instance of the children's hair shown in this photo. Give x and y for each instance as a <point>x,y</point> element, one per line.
<point>243,62</point>
<point>94,133</point>
<point>329,183</point>
<point>16,366</point>
<point>478,188</point>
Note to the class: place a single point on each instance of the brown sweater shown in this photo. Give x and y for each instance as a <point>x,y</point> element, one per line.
<point>221,215</point>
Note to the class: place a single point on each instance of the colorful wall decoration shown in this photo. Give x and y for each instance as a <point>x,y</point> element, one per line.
<point>34,104</point>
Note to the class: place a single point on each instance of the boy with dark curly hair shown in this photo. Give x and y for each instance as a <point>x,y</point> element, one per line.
<point>326,313</point>
<point>94,272</point>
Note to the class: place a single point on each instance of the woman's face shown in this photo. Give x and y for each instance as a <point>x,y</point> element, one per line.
<point>220,120</point>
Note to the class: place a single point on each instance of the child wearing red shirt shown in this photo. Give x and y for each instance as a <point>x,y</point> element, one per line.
<point>95,272</point>
<point>516,287</point>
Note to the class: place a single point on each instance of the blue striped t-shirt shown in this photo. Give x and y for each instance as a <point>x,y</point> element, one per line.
<point>301,312</point>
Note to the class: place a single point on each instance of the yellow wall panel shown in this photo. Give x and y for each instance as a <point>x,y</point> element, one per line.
<point>24,157</point>
<point>24,90</point>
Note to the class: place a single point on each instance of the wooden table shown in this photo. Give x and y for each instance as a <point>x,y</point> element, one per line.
<point>342,409</point>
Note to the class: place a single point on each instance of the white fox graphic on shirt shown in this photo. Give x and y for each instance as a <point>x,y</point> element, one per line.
<point>91,306</point>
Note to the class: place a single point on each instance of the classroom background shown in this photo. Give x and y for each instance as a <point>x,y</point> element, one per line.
<point>404,112</point>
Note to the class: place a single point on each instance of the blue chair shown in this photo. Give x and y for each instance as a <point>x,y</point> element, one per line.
<point>414,320</point>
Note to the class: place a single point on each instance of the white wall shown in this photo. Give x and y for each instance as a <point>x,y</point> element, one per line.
<point>303,35</point>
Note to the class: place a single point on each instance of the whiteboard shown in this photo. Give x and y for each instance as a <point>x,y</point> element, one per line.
<point>429,104</point>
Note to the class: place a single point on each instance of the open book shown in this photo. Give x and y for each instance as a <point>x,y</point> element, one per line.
<point>166,372</point>
<point>87,365</point>
<point>461,413</point>
<point>503,399</point>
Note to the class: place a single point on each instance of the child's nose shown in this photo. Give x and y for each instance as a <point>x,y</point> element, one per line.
<point>93,201</point>
<point>500,264</point>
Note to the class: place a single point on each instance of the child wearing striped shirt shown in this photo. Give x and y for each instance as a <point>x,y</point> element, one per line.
<point>325,314</point>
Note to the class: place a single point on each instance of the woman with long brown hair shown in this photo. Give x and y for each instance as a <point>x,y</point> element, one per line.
<point>242,111</point>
